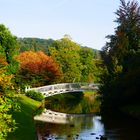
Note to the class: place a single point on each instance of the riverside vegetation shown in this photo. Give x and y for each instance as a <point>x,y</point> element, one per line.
<point>121,55</point>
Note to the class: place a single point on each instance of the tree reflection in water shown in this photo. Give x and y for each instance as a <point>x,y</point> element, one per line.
<point>83,126</point>
<point>73,103</point>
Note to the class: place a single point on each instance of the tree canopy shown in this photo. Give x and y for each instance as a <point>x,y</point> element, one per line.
<point>8,67</point>
<point>8,48</point>
<point>122,58</point>
<point>34,44</point>
<point>36,68</point>
<point>76,62</point>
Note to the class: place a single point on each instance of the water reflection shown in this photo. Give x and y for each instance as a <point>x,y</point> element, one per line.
<point>109,126</point>
<point>91,127</point>
<point>74,103</point>
<point>83,127</point>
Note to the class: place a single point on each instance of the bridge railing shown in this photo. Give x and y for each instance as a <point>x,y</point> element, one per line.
<point>51,90</point>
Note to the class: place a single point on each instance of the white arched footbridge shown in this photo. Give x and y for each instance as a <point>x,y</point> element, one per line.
<point>51,90</point>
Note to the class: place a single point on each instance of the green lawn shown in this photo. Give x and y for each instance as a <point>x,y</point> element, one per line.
<point>24,119</point>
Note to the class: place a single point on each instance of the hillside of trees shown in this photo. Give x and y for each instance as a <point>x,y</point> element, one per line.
<point>73,62</point>
<point>38,44</point>
<point>34,44</point>
<point>76,63</point>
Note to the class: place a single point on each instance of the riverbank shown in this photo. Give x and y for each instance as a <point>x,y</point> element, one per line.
<point>24,118</point>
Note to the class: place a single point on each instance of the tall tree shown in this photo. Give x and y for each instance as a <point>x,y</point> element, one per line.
<point>77,63</point>
<point>88,65</point>
<point>8,48</point>
<point>8,67</point>
<point>66,53</point>
<point>119,53</point>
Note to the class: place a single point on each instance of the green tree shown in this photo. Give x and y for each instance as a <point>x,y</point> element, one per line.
<point>88,65</point>
<point>121,56</point>
<point>7,124</point>
<point>8,48</point>
<point>66,53</point>
<point>8,67</point>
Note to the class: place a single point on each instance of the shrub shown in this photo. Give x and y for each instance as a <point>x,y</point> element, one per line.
<point>35,95</point>
<point>39,110</point>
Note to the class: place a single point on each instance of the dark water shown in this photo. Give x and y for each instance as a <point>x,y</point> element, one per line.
<point>91,127</point>
<point>112,126</point>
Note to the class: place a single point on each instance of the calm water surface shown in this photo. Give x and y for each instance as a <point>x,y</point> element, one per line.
<point>91,127</point>
<point>113,126</point>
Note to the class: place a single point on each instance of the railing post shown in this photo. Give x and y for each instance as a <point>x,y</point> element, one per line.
<point>27,88</point>
<point>70,87</point>
<point>52,87</point>
<point>63,87</point>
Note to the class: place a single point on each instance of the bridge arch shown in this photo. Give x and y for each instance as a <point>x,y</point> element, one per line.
<point>51,90</point>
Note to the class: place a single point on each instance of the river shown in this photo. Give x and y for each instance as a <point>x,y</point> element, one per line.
<point>93,126</point>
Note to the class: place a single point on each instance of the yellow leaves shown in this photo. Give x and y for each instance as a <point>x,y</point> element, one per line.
<point>5,80</point>
<point>2,61</point>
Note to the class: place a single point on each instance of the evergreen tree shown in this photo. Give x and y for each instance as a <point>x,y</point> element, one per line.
<point>121,56</point>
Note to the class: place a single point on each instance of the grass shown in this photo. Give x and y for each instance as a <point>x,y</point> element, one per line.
<point>24,119</point>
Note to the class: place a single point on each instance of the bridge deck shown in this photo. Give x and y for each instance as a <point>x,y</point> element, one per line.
<point>51,90</point>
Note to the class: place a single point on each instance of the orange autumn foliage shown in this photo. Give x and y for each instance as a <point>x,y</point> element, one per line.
<point>38,64</point>
<point>2,62</point>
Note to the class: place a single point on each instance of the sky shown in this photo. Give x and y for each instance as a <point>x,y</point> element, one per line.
<point>86,21</point>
